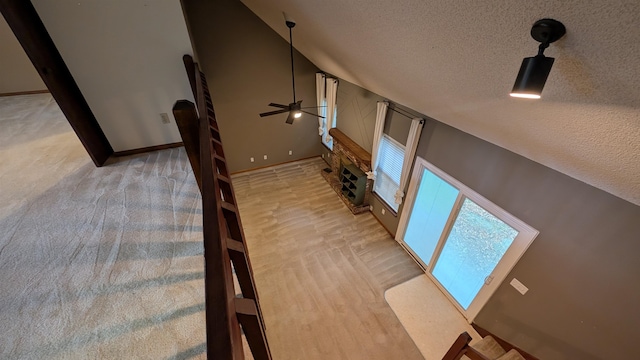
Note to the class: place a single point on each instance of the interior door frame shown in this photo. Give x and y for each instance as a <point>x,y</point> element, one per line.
<point>526,235</point>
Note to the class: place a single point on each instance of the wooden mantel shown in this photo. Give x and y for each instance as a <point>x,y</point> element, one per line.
<point>353,151</point>
<point>346,149</point>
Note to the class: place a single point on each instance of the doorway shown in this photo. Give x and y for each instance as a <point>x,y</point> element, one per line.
<point>466,244</point>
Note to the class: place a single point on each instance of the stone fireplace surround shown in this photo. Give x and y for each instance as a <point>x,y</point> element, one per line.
<point>345,148</point>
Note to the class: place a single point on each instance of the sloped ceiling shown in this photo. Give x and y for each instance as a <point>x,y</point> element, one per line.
<point>456,61</point>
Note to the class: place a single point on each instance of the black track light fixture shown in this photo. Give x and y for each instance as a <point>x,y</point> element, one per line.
<point>535,70</point>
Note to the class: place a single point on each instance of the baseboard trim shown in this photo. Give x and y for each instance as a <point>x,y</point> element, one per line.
<point>30,92</point>
<point>383,226</point>
<point>147,149</point>
<point>272,165</point>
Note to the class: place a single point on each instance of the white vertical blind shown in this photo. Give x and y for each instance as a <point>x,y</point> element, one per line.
<point>389,170</point>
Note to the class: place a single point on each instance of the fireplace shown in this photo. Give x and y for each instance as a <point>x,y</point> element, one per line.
<point>347,175</point>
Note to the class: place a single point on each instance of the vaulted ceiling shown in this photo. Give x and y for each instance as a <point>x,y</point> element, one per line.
<point>456,61</point>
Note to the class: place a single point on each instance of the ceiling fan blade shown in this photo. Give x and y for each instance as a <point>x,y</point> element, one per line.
<point>274,112</point>
<point>290,118</point>
<point>310,113</point>
<point>314,107</point>
<point>279,105</point>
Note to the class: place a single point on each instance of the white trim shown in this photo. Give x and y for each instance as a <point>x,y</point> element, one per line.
<point>526,235</point>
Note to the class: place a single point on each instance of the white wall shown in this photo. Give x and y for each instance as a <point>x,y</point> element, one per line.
<point>126,57</point>
<point>17,74</point>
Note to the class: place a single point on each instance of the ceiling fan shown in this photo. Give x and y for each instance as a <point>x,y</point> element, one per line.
<point>294,109</point>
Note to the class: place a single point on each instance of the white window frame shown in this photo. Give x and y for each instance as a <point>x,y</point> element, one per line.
<point>526,235</point>
<point>388,198</point>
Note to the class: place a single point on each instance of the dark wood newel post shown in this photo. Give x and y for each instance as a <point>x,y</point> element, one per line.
<point>191,73</point>
<point>187,120</point>
<point>25,23</point>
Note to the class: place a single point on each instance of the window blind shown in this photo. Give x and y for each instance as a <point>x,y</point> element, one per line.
<point>391,157</point>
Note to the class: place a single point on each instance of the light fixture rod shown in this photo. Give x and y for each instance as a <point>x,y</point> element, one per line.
<point>293,79</point>
<point>542,48</point>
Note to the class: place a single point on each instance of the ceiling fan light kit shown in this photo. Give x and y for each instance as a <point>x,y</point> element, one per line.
<point>294,109</point>
<point>534,71</point>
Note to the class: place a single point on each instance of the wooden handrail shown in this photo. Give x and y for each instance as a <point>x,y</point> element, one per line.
<point>191,73</point>
<point>186,118</point>
<point>461,347</point>
<point>223,237</point>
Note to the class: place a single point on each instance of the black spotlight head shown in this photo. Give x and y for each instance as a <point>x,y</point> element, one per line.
<point>534,71</point>
<point>532,76</point>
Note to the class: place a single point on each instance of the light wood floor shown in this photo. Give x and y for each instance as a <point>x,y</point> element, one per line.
<point>321,272</point>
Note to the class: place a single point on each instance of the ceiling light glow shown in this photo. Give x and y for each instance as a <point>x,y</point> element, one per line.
<point>524,96</point>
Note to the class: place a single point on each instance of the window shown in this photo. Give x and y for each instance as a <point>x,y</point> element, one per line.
<point>390,159</point>
<point>326,96</point>
<point>327,139</point>
<point>466,244</point>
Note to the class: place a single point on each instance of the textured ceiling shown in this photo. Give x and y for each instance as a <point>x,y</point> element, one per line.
<point>456,62</point>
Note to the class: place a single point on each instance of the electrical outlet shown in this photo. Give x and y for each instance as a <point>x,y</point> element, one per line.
<point>265,157</point>
<point>519,286</point>
<point>383,212</point>
<point>290,152</point>
<point>252,159</point>
<point>165,118</point>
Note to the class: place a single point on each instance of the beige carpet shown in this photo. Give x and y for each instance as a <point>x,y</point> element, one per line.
<point>428,316</point>
<point>95,263</point>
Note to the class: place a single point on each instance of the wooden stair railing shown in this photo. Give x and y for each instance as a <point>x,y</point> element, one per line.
<point>461,347</point>
<point>224,240</point>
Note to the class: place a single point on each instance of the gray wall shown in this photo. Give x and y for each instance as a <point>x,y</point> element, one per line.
<point>357,119</point>
<point>248,66</point>
<point>357,116</point>
<point>356,113</point>
<point>17,74</point>
<point>582,270</point>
